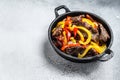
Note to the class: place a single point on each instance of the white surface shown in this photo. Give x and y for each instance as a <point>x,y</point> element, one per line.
<point>25,53</point>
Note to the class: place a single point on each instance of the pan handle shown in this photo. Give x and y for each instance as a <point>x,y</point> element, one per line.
<point>60,7</point>
<point>109,54</point>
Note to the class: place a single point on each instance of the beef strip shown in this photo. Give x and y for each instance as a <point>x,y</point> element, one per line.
<point>91,52</point>
<point>95,34</point>
<point>104,36</point>
<point>86,25</point>
<point>74,50</point>
<point>95,37</point>
<point>57,36</point>
<point>57,31</point>
<point>57,40</point>
<point>60,37</point>
<point>77,20</point>
<point>57,43</point>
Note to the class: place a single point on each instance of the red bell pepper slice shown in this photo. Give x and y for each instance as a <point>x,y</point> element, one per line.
<point>68,21</point>
<point>69,45</point>
<point>75,31</point>
<point>68,34</point>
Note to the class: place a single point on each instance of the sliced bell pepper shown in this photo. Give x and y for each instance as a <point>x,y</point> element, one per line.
<point>89,22</point>
<point>81,36</point>
<point>68,21</point>
<point>65,38</point>
<point>88,33</point>
<point>62,23</point>
<point>68,34</point>
<point>71,28</point>
<point>73,40</point>
<point>98,48</point>
<point>75,31</point>
<point>69,45</point>
<point>94,22</point>
<point>85,52</point>
<point>68,18</point>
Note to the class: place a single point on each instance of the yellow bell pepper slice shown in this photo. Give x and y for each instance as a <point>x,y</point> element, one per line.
<point>85,52</point>
<point>65,38</point>
<point>88,21</point>
<point>71,27</point>
<point>88,33</point>
<point>98,48</point>
<point>81,36</point>
<point>62,23</point>
<point>73,40</point>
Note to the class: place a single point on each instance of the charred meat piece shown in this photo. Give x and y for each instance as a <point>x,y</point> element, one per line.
<point>57,31</point>
<point>91,52</point>
<point>94,30</point>
<point>57,43</point>
<point>104,36</point>
<point>86,25</point>
<point>95,37</point>
<point>58,40</point>
<point>77,37</point>
<point>82,16</point>
<point>57,36</point>
<point>60,37</point>
<point>74,50</point>
<point>95,34</point>
<point>77,20</point>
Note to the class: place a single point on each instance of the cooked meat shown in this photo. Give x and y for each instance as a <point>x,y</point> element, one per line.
<point>91,52</point>
<point>74,50</point>
<point>57,31</point>
<point>82,16</point>
<point>77,20</point>
<point>77,37</point>
<point>60,37</point>
<point>94,30</point>
<point>57,36</point>
<point>95,37</point>
<point>104,36</point>
<point>86,25</point>
<point>89,17</point>
<point>58,43</point>
<point>95,34</point>
<point>84,34</point>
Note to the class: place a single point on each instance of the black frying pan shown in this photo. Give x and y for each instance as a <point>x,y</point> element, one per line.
<point>106,55</point>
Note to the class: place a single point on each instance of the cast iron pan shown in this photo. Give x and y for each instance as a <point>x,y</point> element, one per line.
<point>106,55</point>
